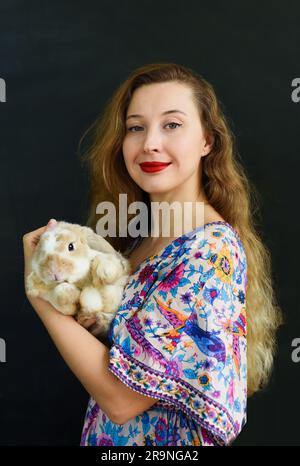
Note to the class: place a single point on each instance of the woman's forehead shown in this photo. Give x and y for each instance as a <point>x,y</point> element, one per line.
<point>163,96</point>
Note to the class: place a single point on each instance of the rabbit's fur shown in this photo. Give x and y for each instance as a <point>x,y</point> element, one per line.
<point>79,273</point>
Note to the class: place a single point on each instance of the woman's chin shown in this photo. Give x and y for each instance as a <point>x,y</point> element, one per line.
<point>155,190</point>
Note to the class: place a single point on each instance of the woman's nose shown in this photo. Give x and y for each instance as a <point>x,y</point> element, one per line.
<point>152,138</point>
<point>152,144</point>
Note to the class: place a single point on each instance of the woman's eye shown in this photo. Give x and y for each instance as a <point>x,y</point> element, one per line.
<point>172,123</point>
<point>131,128</point>
<point>71,247</point>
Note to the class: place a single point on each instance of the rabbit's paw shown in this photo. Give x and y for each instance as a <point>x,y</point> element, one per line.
<point>90,301</point>
<point>34,288</point>
<point>34,293</point>
<point>107,267</point>
<point>66,293</point>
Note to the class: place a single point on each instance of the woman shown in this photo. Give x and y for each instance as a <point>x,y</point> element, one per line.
<point>182,360</point>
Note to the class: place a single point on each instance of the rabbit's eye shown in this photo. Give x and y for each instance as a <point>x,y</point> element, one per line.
<point>71,247</point>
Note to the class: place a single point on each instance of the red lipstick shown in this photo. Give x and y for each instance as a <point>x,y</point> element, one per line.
<point>151,167</point>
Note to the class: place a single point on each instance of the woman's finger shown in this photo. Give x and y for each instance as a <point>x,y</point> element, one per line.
<point>89,323</point>
<point>32,238</point>
<point>32,235</point>
<point>96,330</point>
<point>86,322</point>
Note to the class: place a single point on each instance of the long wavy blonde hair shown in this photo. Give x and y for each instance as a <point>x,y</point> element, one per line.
<point>226,187</point>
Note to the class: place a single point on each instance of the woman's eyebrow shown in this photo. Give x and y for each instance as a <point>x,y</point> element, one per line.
<point>136,115</point>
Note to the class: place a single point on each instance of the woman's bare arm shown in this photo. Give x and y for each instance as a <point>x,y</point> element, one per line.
<point>86,356</point>
<point>88,359</point>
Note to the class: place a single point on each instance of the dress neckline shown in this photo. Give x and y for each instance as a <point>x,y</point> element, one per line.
<point>185,235</point>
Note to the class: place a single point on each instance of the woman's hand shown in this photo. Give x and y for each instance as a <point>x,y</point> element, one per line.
<point>30,241</point>
<point>90,324</point>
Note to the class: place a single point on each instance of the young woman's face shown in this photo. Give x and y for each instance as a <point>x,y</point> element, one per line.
<point>155,136</point>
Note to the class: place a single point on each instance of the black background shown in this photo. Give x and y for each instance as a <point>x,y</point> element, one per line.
<point>61,61</point>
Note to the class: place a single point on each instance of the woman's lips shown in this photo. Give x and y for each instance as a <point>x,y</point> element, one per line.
<point>151,167</point>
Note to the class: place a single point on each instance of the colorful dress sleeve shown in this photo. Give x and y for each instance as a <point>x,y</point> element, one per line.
<point>180,336</point>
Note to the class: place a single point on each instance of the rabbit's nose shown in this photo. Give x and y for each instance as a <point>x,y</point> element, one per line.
<point>56,276</point>
<point>54,272</point>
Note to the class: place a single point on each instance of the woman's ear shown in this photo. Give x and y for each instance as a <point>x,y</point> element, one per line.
<point>209,142</point>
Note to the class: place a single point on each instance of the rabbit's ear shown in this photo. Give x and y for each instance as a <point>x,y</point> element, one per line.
<point>96,241</point>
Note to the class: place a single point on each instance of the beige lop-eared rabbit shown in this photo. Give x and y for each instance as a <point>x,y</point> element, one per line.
<point>79,273</point>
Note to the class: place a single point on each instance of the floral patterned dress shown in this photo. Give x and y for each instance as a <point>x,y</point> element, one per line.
<point>179,336</point>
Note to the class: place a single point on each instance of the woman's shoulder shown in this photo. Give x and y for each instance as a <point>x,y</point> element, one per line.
<point>214,230</point>
<point>218,238</point>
